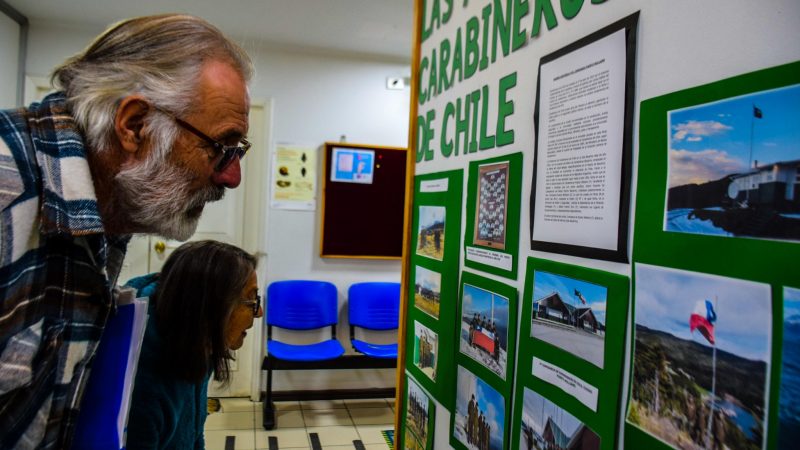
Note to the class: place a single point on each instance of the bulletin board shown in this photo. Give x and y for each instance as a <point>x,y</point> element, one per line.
<point>363,201</point>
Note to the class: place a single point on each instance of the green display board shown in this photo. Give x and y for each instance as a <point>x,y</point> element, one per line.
<point>433,281</point>
<point>569,372</point>
<point>715,247</point>
<point>491,241</point>
<point>484,353</point>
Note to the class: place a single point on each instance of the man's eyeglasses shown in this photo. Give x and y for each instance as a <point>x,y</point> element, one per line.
<point>228,152</point>
<point>255,304</point>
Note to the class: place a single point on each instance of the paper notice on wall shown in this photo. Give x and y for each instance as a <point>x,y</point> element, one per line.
<point>580,145</point>
<point>439,185</point>
<point>572,385</point>
<point>294,178</point>
<point>489,257</point>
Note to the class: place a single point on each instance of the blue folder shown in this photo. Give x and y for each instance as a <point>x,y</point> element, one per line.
<point>106,401</point>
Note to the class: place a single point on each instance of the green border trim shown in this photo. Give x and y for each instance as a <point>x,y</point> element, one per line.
<point>607,380</point>
<point>760,260</point>
<point>448,268</point>
<point>399,438</point>
<point>504,387</point>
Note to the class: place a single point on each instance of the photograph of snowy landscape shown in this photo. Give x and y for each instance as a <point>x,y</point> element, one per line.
<point>734,167</point>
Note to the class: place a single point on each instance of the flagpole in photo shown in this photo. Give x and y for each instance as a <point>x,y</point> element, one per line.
<point>703,319</point>
<point>713,383</point>
<point>757,114</point>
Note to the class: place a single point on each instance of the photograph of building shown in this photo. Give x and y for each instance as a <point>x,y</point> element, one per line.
<point>570,314</point>
<point>545,426</point>
<point>734,167</point>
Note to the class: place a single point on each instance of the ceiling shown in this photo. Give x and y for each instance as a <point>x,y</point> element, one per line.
<point>372,28</point>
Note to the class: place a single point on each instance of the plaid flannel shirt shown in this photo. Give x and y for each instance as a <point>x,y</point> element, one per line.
<point>57,274</point>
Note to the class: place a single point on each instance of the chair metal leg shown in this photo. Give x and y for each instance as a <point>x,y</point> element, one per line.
<point>269,407</point>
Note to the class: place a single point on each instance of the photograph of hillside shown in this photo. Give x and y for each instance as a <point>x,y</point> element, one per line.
<point>701,359</point>
<point>734,167</point>
<point>789,410</point>
<point>427,290</point>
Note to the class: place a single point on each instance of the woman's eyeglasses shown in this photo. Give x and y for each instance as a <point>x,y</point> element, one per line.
<point>228,152</point>
<point>255,304</point>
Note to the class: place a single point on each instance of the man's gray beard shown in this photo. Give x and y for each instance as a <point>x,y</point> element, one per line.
<point>155,195</point>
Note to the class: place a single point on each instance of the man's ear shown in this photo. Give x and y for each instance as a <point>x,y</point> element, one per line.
<point>129,122</point>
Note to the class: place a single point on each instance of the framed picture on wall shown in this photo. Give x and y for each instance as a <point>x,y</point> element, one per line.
<point>419,417</point>
<point>479,419</point>
<point>430,234</point>
<point>712,334</point>
<point>491,238</point>
<point>427,291</point>
<point>570,314</point>
<point>580,194</point>
<point>484,328</point>
<point>426,350</point>
<point>716,239</point>
<point>492,205</point>
<point>544,422</point>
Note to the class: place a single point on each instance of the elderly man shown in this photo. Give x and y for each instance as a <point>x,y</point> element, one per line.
<point>149,127</point>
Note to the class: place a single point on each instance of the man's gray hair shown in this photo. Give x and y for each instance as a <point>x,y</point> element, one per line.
<point>159,57</point>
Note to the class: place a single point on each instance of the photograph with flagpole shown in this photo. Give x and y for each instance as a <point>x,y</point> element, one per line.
<point>701,359</point>
<point>570,314</point>
<point>734,167</point>
<point>546,426</point>
<point>484,328</point>
<point>789,410</point>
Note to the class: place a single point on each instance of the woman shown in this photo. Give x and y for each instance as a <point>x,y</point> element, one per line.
<point>201,305</point>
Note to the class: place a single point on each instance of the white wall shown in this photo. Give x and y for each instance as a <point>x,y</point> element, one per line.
<point>9,54</point>
<point>319,98</point>
<point>316,98</point>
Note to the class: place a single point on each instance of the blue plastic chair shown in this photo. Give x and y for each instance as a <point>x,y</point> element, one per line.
<point>298,305</point>
<point>374,306</point>
<point>302,305</point>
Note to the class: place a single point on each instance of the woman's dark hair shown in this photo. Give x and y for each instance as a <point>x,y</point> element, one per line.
<point>198,288</point>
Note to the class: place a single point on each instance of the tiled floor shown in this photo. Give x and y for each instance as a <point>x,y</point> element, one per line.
<point>335,424</point>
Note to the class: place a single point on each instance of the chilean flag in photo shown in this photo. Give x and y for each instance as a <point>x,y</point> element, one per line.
<point>703,319</point>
